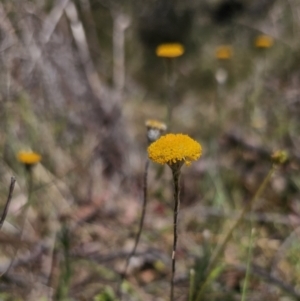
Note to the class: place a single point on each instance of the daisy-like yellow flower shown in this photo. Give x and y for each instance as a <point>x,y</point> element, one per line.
<point>170,50</point>
<point>28,157</point>
<point>224,52</point>
<point>174,148</point>
<point>263,41</point>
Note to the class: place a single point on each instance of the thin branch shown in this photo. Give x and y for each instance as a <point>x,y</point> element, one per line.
<point>83,49</point>
<point>120,24</point>
<point>50,24</point>
<point>10,193</point>
<point>48,29</point>
<point>141,224</point>
<point>52,20</point>
<point>137,238</point>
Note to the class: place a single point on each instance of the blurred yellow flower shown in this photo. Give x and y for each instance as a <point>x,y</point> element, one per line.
<point>154,129</point>
<point>263,41</point>
<point>174,148</point>
<point>280,157</point>
<point>155,124</point>
<point>224,52</point>
<point>28,157</point>
<point>170,50</point>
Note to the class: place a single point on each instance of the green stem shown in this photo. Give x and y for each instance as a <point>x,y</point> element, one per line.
<point>65,276</point>
<point>29,180</point>
<point>30,186</point>
<point>245,285</point>
<point>176,178</point>
<point>220,249</point>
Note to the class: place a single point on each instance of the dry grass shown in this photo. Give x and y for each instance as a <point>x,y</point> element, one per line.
<point>58,98</point>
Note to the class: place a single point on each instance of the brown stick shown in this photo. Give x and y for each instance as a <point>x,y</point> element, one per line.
<point>141,225</point>
<point>10,193</point>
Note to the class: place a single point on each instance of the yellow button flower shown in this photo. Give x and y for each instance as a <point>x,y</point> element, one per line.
<point>28,157</point>
<point>155,124</point>
<point>224,52</point>
<point>170,50</point>
<point>174,148</point>
<point>154,129</point>
<point>263,41</point>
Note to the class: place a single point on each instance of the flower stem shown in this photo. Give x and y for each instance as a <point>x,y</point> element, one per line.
<point>138,235</point>
<point>171,84</point>
<point>176,177</point>
<point>66,272</point>
<point>249,259</point>
<point>141,225</point>
<point>26,207</point>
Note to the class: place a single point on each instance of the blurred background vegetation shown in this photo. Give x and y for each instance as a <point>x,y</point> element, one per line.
<point>78,80</point>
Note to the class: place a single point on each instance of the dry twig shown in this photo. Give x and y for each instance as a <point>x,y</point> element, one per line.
<point>10,193</point>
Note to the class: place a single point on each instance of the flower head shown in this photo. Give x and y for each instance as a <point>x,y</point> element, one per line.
<point>154,129</point>
<point>263,41</point>
<point>224,52</point>
<point>170,50</point>
<point>28,157</point>
<point>280,157</point>
<point>174,148</point>
<point>155,124</point>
